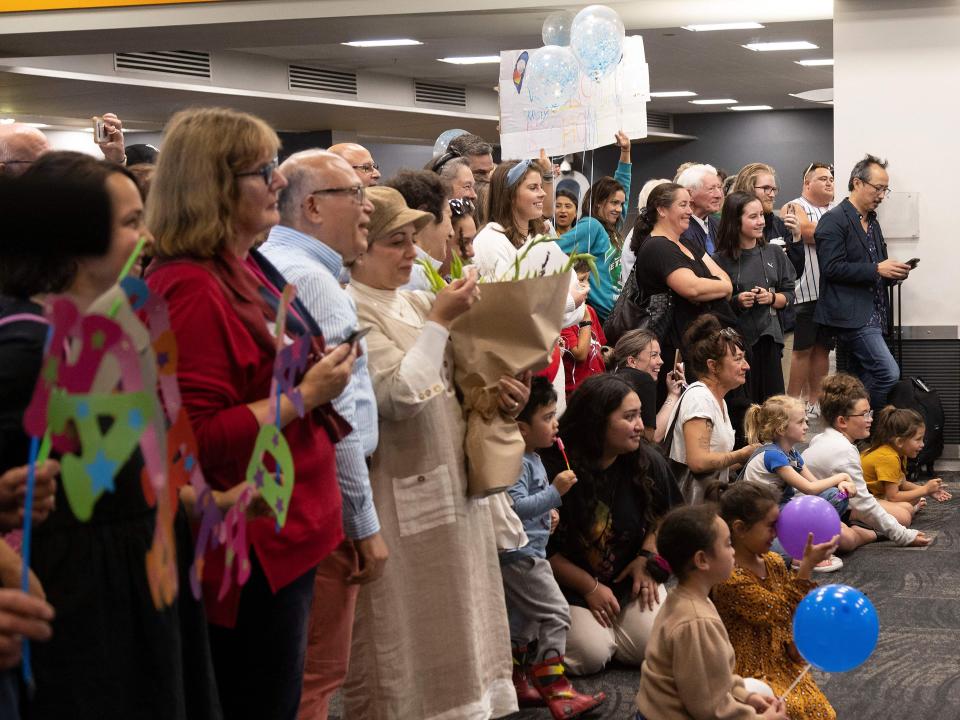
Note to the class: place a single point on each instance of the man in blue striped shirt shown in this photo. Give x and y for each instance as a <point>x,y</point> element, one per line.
<point>323,226</point>
<point>811,343</point>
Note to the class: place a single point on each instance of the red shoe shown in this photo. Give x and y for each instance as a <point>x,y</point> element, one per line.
<point>550,680</point>
<point>527,695</point>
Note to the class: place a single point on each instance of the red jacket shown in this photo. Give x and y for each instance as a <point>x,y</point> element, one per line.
<point>578,371</point>
<point>221,369</point>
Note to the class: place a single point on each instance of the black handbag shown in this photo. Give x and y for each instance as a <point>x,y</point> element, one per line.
<point>653,313</point>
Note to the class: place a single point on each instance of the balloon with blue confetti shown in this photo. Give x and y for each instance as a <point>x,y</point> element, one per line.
<point>552,78</point>
<point>596,39</point>
<point>556,28</point>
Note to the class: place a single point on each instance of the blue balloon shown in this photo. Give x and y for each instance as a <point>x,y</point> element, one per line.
<point>596,38</point>
<point>556,28</point>
<point>552,77</point>
<point>835,628</point>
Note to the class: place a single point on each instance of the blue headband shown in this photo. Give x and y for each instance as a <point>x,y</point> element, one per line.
<point>516,173</point>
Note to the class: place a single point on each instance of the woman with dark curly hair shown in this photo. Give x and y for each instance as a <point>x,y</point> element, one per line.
<point>426,191</point>
<point>603,547</point>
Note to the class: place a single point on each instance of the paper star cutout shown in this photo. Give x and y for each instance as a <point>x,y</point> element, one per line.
<point>101,472</point>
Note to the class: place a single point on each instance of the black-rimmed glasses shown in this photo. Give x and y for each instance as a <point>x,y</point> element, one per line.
<point>881,189</point>
<point>366,168</point>
<point>265,171</point>
<point>358,192</point>
<point>768,189</point>
<point>461,206</point>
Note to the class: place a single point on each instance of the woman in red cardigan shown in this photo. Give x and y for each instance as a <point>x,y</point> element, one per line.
<point>214,195</point>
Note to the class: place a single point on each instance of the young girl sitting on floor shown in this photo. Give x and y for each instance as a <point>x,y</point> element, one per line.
<point>781,423</point>
<point>758,600</point>
<point>897,437</point>
<point>688,670</point>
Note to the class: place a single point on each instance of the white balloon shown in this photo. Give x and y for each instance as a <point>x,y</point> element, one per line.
<point>556,28</point>
<point>752,685</point>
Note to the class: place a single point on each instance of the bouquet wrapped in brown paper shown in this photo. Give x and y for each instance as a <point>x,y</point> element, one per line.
<point>512,328</point>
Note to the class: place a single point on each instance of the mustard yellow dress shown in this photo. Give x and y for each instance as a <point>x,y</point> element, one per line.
<point>758,615</point>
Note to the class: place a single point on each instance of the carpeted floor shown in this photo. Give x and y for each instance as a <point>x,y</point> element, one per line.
<point>914,671</point>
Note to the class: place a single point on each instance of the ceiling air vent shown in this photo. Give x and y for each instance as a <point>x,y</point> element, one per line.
<point>191,63</point>
<point>301,77</point>
<point>435,94</point>
<point>660,121</point>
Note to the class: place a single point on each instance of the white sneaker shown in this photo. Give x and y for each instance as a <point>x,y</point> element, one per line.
<point>813,411</point>
<point>831,564</point>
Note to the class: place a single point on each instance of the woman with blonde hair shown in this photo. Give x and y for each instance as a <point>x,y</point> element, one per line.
<point>213,197</point>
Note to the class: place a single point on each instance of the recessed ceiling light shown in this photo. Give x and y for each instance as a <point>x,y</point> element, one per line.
<point>815,63</point>
<point>720,101</point>
<point>723,26</point>
<point>673,93</point>
<point>39,126</point>
<point>476,60</point>
<point>7,121</point>
<point>382,43</point>
<point>741,108</point>
<point>790,45</point>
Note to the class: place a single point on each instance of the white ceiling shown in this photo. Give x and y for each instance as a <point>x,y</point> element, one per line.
<point>308,31</point>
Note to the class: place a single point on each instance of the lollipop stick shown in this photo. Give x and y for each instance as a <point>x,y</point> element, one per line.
<point>797,680</point>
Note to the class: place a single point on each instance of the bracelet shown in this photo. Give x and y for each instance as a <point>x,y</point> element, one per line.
<point>586,323</point>
<point>594,588</point>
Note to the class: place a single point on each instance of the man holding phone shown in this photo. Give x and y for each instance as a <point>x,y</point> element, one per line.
<point>324,218</point>
<point>854,274</point>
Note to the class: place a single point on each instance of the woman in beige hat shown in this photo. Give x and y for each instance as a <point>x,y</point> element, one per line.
<point>430,637</point>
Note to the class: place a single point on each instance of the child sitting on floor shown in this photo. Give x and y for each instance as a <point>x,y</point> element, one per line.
<point>781,423</point>
<point>581,343</point>
<point>845,408</point>
<point>688,669</point>
<point>536,608</point>
<point>897,437</point>
<point>757,602</point>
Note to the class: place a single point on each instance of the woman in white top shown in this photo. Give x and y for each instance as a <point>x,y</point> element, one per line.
<point>516,219</point>
<point>703,436</point>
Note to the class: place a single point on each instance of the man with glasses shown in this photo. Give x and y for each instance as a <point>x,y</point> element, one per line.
<point>323,226</point>
<point>811,343</point>
<point>20,146</point>
<point>360,159</point>
<point>854,275</point>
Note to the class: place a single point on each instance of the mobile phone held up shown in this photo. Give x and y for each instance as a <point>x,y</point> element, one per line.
<point>913,262</point>
<point>357,335</point>
<point>100,133</point>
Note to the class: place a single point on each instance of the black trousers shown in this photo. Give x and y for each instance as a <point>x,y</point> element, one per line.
<point>764,379</point>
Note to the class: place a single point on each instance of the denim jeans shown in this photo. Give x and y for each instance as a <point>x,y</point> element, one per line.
<point>871,361</point>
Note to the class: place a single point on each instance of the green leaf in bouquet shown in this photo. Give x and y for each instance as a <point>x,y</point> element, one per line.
<point>456,266</point>
<point>586,257</point>
<point>437,283</point>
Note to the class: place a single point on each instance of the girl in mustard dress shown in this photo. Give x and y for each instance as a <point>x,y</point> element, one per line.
<point>757,602</point>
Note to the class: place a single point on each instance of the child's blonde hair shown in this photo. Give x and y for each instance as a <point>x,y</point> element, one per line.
<point>768,422</point>
<point>894,424</point>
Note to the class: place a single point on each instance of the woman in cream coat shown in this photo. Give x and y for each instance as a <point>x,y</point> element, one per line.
<point>430,637</point>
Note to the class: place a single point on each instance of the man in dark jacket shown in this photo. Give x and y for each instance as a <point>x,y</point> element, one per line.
<point>854,274</point>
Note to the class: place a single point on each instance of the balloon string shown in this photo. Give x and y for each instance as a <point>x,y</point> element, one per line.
<point>796,681</point>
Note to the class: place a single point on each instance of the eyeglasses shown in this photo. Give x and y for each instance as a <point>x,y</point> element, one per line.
<point>461,206</point>
<point>882,190</point>
<point>866,414</point>
<point>366,168</point>
<point>817,166</point>
<point>266,172</point>
<point>768,189</point>
<point>358,192</point>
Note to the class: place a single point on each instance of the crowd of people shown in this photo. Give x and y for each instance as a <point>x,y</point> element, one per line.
<point>668,450</point>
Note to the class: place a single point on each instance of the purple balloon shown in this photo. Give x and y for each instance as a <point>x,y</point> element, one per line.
<point>804,515</point>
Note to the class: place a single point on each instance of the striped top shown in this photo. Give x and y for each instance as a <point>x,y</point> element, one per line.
<point>808,284</point>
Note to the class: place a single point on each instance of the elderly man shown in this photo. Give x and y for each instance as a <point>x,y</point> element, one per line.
<point>706,196</point>
<point>854,274</point>
<point>360,159</point>
<point>20,146</point>
<point>811,344</point>
<point>478,152</point>
<point>323,225</point>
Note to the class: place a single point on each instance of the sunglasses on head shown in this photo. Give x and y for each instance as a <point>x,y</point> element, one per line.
<point>461,206</point>
<point>817,166</point>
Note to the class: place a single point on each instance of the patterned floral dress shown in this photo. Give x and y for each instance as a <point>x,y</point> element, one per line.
<point>758,614</point>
